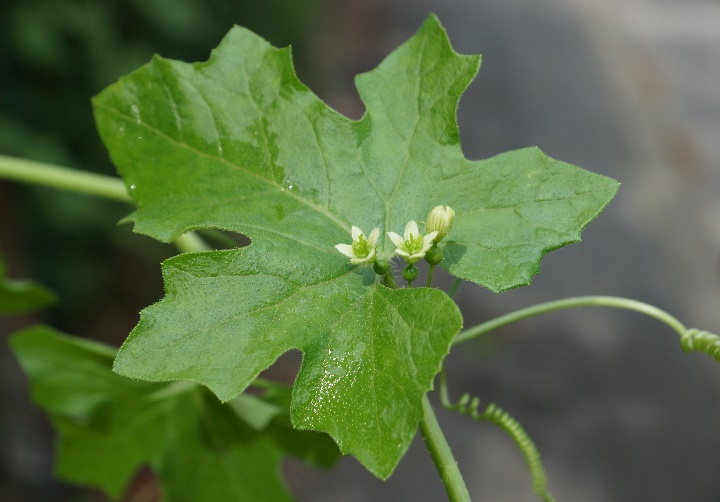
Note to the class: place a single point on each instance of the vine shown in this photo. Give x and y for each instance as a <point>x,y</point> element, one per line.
<point>470,406</point>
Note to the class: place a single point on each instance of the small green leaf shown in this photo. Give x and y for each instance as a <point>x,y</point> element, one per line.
<point>108,426</point>
<point>238,143</point>
<point>17,297</point>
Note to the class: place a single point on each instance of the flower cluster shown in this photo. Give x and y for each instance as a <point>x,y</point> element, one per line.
<point>412,246</point>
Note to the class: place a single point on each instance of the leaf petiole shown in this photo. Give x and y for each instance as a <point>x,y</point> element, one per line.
<point>190,242</point>
<point>74,180</point>
<point>41,173</point>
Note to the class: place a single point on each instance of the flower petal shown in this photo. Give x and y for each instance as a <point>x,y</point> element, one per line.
<point>397,240</point>
<point>373,237</point>
<point>356,232</point>
<point>428,240</point>
<point>411,229</point>
<point>345,249</point>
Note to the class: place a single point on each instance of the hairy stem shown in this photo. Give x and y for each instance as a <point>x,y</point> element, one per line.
<point>442,456</point>
<point>579,301</point>
<point>430,275</point>
<point>40,173</point>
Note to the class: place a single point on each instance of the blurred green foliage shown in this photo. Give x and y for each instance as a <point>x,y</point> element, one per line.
<point>54,56</point>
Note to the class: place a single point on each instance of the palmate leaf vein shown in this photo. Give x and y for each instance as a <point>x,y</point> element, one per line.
<point>407,325</point>
<point>331,216</point>
<point>410,139</point>
<point>324,161</point>
<point>220,149</point>
<point>376,410</point>
<point>277,305</point>
<point>173,104</point>
<point>388,202</point>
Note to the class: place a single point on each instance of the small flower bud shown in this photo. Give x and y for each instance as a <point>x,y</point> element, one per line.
<point>440,219</point>
<point>410,273</point>
<point>381,266</point>
<point>434,256</point>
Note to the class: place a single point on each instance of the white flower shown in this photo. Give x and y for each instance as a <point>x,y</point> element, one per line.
<point>440,219</point>
<point>413,245</point>
<point>362,249</point>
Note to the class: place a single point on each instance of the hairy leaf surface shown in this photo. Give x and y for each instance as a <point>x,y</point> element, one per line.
<point>239,143</point>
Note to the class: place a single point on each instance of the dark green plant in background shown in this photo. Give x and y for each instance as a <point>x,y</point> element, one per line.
<point>53,56</point>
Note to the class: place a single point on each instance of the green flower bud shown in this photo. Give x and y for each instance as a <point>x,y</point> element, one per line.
<point>440,219</point>
<point>381,267</point>
<point>410,273</point>
<point>434,256</point>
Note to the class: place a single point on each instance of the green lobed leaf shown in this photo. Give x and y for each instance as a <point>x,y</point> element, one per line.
<point>17,297</point>
<point>368,353</point>
<point>238,143</point>
<point>108,426</point>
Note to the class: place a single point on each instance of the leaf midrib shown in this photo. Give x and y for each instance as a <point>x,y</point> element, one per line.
<point>287,193</point>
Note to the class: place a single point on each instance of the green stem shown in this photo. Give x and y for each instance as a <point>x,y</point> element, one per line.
<point>454,287</point>
<point>430,275</point>
<point>222,240</point>
<point>579,301</point>
<point>50,175</point>
<point>442,456</point>
<point>390,280</point>
<point>190,242</point>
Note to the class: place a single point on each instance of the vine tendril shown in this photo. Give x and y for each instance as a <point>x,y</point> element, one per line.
<point>470,406</point>
<point>701,341</point>
<point>691,340</point>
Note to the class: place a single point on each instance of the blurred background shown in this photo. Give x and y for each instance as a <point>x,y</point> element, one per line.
<point>625,88</point>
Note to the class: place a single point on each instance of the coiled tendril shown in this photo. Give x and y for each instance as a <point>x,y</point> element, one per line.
<point>470,406</point>
<point>701,341</point>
